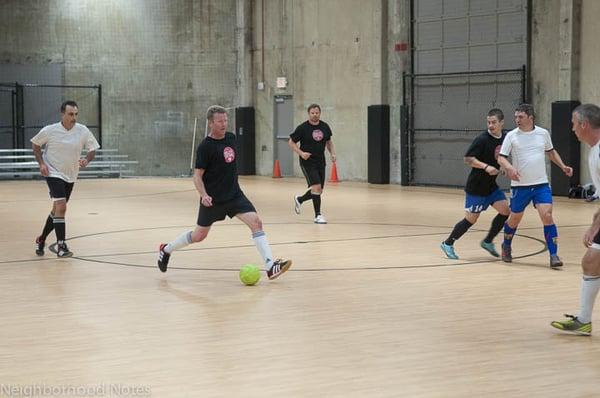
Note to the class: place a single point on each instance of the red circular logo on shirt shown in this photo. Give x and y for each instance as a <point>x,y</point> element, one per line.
<point>229,154</point>
<point>497,151</point>
<point>317,135</point>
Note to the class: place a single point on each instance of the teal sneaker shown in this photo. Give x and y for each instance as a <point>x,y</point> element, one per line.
<point>573,325</point>
<point>490,248</point>
<point>449,251</point>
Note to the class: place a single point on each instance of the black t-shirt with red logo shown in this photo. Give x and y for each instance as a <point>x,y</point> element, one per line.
<point>485,147</point>
<point>217,158</point>
<point>312,139</point>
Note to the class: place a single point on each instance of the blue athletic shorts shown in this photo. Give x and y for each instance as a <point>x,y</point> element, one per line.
<point>477,204</point>
<point>521,196</point>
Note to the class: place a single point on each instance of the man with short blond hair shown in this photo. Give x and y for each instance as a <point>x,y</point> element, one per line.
<point>216,180</point>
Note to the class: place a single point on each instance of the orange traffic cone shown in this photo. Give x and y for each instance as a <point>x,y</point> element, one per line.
<point>334,176</point>
<point>276,169</point>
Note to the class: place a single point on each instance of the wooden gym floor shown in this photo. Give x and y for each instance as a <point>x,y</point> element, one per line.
<point>370,308</point>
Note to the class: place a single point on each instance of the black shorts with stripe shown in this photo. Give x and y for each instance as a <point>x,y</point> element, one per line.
<point>59,188</point>
<point>597,238</point>
<point>314,173</point>
<point>217,212</point>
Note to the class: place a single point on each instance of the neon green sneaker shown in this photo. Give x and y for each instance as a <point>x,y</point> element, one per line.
<point>573,325</point>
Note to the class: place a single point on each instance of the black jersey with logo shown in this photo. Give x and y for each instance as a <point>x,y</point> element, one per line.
<point>485,147</point>
<point>218,159</point>
<point>313,139</point>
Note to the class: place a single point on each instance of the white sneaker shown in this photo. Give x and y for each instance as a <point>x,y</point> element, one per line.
<point>320,220</point>
<point>297,204</point>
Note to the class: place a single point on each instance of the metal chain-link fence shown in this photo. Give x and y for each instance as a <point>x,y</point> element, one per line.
<point>26,108</point>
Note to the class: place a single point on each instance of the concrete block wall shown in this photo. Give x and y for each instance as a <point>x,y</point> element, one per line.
<point>589,84</point>
<point>549,52</point>
<point>161,63</point>
<point>339,54</point>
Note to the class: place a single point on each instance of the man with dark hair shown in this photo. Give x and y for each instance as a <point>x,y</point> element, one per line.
<point>481,189</point>
<point>216,181</point>
<point>314,135</point>
<point>527,145</point>
<point>59,164</point>
<point>586,126</point>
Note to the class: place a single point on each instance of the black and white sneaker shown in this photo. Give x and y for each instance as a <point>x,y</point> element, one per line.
<point>62,251</point>
<point>297,204</point>
<point>279,267</point>
<point>39,246</point>
<point>163,258</point>
<point>319,219</point>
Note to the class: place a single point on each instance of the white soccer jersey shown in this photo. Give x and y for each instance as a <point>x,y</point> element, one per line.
<point>63,148</point>
<point>528,151</point>
<point>594,165</point>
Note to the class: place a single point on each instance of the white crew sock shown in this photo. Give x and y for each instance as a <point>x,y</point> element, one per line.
<point>260,240</point>
<point>181,241</point>
<point>590,285</point>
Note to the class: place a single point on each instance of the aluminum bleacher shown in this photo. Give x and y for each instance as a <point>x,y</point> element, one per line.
<point>21,164</point>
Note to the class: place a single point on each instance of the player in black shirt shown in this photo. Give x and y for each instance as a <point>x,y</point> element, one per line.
<point>314,135</point>
<point>481,188</point>
<point>216,180</point>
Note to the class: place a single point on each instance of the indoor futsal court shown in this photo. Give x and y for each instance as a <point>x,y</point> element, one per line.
<point>370,307</point>
<point>154,108</point>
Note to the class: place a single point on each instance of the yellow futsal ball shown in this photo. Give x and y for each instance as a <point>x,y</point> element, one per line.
<point>249,274</point>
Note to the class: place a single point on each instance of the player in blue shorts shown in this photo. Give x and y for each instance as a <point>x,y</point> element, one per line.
<point>527,145</point>
<point>481,188</point>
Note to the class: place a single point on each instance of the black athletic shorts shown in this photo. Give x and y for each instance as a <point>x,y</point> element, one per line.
<point>314,173</point>
<point>217,212</point>
<point>597,239</point>
<point>59,189</point>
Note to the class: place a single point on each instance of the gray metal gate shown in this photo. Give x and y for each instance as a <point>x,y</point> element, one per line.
<point>446,112</point>
<point>26,108</point>
<point>468,56</point>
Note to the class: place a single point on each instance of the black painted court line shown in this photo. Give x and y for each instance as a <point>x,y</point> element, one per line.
<point>94,258</point>
<point>45,199</point>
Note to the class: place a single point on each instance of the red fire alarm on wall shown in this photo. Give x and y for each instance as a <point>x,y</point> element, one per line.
<point>401,46</point>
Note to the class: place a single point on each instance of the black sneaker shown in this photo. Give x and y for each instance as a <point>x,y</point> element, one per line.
<point>278,268</point>
<point>506,253</point>
<point>163,258</point>
<point>39,246</point>
<point>63,251</point>
<point>555,261</point>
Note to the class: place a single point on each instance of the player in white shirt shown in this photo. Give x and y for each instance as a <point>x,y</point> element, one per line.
<point>586,125</point>
<point>59,164</point>
<point>527,145</point>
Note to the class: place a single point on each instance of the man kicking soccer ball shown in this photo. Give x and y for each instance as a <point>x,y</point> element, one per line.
<point>216,180</point>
